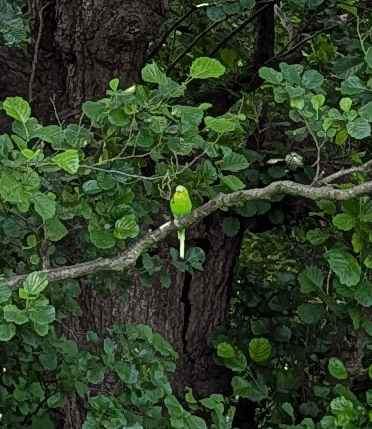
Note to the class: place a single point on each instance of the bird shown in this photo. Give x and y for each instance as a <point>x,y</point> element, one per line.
<point>181,206</point>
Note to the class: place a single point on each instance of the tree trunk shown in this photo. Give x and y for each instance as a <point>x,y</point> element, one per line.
<point>76,49</point>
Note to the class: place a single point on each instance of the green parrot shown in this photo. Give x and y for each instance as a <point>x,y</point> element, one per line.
<point>181,206</point>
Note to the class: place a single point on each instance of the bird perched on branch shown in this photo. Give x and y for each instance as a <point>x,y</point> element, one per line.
<point>181,206</point>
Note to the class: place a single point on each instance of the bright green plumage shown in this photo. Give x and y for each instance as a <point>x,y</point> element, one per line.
<point>181,206</point>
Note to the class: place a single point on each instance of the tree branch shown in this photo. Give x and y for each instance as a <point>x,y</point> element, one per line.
<point>130,255</point>
<point>242,26</point>
<point>361,169</point>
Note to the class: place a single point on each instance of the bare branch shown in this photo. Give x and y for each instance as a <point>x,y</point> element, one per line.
<point>362,169</point>
<point>130,255</point>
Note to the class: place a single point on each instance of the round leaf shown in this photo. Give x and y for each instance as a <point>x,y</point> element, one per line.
<point>345,266</point>
<point>259,349</point>
<point>126,227</point>
<point>337,368</point>
<point>204,68</point>
<point>230,226</point>
<point>35,283</point>
<point>363,293</point>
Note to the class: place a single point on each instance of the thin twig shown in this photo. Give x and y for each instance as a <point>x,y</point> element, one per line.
<point>362,169</point>
<point>36,52</point>
<point>242,25</point>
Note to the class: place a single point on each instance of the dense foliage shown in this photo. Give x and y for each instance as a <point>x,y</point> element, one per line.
<point>300,339</point>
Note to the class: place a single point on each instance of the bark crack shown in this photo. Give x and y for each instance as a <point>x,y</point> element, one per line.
<point>185,299</point>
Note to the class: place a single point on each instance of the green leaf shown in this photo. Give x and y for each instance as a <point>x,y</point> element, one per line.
<point>291,73</point>
<point>14,227</point>
<point>298,103</point>
<point>13,314</point>
<point>352,85</point>
<point>31,241</point>
<point>363,293</point>
<point>248,389</point>
<point>359,129</point>
<point>345,266</point>
<point>101,239</point>
<point>56,400</point>
<point>68,160</point>
<point>55,230</point>
<point>114,84</point>
<point>147,279</point>
<point>7,331</point>
<point>43,315</point>
<point>317,236</point>
<point>220,125</point>
<point>343,409</point>
<point>204,68</point>
<point>283,334</point>
<point>17,108</point>
<point>93,110</point>
<point>165,280</point>
<point>35,283</point>
<point>5,292</point>
<point>365,112</point>
<point>48,360</point>
<point>259,326</point>
<point>276,217</point>
<point>127,372</point>
<point>36,389</point>
<point>237,363</point>
<point>109,346</point>
<point>208,172</point>
<point>147,262</point>
<point>247,209</point>
<point>312,79</point>
<point>42,330</point>
<point>337,368</point>
<point>311,279</point>
<point>343,221</point>
<point>230,226</point>
<point>42,422</point>
<point>368,54</point>
<point>52,134</point>
<point>317,101</point>
<point>259,349</point>
<point>126,227</point>
<point>321,391</point>
<point>287,407</point>
<point>234,162</point>
<point>341,137</point>
<point>11,189</point>
<point>195,422</point>
<point>232,182</point>
<point>153,74</point>
<point>311,313</point>
<point>309,408</point>
<point>366,210</point>
<point>195,256</point>
<point>225,350</point>
<point>91,187</point>
<point>270,75</point>
<point>345,104</point>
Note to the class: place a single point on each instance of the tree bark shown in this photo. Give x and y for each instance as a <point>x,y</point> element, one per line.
<point>77,47</point>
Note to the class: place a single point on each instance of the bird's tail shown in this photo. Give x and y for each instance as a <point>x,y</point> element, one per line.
<point>182,236</point>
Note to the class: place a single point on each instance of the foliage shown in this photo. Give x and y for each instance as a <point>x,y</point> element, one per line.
<point>14,28</point>
<point>300,336</point>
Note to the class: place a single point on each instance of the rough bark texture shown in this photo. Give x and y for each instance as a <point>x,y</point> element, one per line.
<point>186,313</point>
<point>77,47</point>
